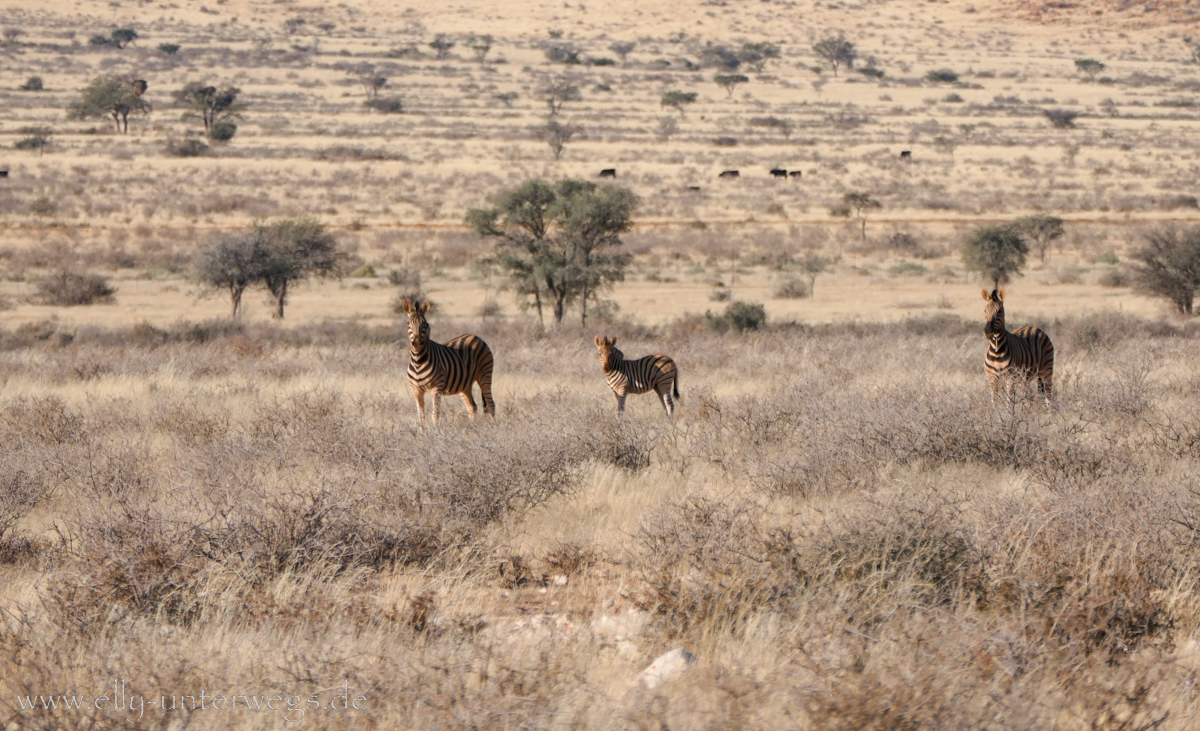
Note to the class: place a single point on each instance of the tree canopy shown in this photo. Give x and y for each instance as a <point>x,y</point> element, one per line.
<point>837,51</point>
<point>111,96</point>
<point>1168,266</point>
<point>210,104</point>
<point>557,241</point>
<point>678,99</point>
<point>996,252</point>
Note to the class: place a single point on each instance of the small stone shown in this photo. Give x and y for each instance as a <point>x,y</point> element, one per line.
<point>665,668</point>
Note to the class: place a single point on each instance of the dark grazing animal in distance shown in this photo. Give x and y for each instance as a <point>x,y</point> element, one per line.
<point>1026,352</point>
<point>608,173</point>
<point>444,370</point>
<point>654,372</point>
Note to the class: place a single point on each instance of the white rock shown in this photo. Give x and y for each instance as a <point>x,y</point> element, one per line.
<point>665,668</point>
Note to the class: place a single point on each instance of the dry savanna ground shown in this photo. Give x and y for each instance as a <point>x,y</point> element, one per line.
<point>840,524</point>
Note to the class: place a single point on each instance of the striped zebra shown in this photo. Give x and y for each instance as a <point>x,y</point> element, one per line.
<point>1026,352</point>
<point>446,369</point>
<point>654,372</point>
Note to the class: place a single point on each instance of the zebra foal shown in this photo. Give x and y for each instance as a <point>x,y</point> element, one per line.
<point>1026,352</point>
<point>446,369</point>
<point>654,372</point>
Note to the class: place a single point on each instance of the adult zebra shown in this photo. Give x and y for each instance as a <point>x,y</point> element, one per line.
<point>446,369</point>
<point>1026,352</point>
<point>653,372</point>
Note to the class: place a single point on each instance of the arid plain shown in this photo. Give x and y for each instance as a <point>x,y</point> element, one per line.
<point>840,524</point>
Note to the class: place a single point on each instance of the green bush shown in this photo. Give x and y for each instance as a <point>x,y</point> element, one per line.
<point>386,104</point>
<point>190,147</point>
<point>69,289</point>
<point>942,76</point>
<point>33,84</point>
<point>739,316</point>
<point>906,267</point>
<point>792,288</point>
<point>366,271</point>
<point>222,131</point>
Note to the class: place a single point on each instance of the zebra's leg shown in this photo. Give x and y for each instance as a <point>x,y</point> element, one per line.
<point>485,393</point>
<point>668,404</point>
<point>1046,382</point>
<point>469,400</point>
<point>419,395</point>
<point>437,405</point>
<point>620,403</point>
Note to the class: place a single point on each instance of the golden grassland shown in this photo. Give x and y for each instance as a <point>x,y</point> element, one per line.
<point>840,524</point>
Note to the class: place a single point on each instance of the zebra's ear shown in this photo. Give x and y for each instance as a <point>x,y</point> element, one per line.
<point>424,306</point>
<point>612,342</point>
<point>986,297</point>
<point>1000,297</point>
<point>407,307</point>
<point>599,341</point>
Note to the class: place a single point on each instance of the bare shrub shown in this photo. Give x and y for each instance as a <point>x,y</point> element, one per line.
<point>71,289</point>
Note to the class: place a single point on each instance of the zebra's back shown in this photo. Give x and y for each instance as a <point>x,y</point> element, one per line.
<point>1036,352</point>
<point>453,367</point>
<point>649,373</point>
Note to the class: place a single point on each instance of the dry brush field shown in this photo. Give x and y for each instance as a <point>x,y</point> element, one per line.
<point>840,524</point>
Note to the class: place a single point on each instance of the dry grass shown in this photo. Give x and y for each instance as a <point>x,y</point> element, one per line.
<point>840,524</point>
<point>864,542</point>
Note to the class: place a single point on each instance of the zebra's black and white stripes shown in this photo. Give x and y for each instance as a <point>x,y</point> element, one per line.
<point>1026,352</point>
<point>446,369</point>
<point>654,372</point>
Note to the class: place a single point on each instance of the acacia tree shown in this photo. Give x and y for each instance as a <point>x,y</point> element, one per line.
<point>558,92</point>
<point>996,252</point>
<point>756,55</point>
<point>678,100</point>
<point>371,82</point>
<point>233,262</point>
<point>441,46</point>
<point>295,249</point>
<point>622,48</point>
<point>863,204</point>
<point>209,104</point>
<point>557,134</point>
<point>1169,266</point>
<point>111,96</point>
<point>555,241</point>
<point>730,81</point>
<point>1089,66</point>
<point>836,51</point>
<point>1041,229</point>
<point>480,46</point>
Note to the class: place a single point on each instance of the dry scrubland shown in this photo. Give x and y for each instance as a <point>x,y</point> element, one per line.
<point>840,524</point>
<point>845,536</point>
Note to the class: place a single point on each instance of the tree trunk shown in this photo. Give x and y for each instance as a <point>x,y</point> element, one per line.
<point>560,308</point>
<point>280,298</point>
<point>864,228</point>
<point>537,300</point>
<point>235,295</point>
<point>583,306</point>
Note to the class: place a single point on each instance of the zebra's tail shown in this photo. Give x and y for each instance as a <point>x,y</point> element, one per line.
<point>675,386</point>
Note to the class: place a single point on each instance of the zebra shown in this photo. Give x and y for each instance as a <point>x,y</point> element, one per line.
<point>653,372</point>
<point>1026,352</point>
<point>446,369</point>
